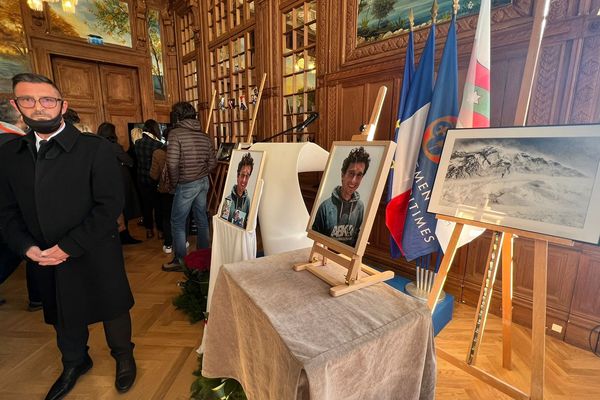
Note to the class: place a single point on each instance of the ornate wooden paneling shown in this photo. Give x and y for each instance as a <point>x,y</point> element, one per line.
<point>120,91</point>
<point>585,106</point>
<point>80,85</point>
<point>45,46</point>
<point>585,310</point>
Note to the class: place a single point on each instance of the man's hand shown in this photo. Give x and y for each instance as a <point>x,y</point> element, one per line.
<point>51,256</point>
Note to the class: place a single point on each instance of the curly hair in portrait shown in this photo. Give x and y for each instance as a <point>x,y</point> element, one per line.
<point>357,155</point>
<point>246,160</point>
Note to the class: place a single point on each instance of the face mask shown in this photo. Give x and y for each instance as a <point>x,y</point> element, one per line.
<point>44,126</point>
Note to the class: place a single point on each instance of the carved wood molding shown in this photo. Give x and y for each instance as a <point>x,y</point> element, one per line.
<point>587,83</point>
<point>558,10</point>
<point>169,34</point>
<point>353,52</point>
<point>141,30</point>
<point>322,15</point>
<point>546,81</point>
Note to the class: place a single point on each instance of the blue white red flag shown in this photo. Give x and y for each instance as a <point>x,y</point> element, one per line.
<point>419,230</point>
<point>408,136</point>
<point>409,72</point>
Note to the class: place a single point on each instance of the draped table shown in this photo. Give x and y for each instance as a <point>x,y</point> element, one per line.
<point>282,336</point>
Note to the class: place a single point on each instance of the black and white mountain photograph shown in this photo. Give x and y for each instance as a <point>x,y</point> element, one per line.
<point>547,180</point>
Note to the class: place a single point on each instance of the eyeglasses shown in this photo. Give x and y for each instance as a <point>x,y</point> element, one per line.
<point>29,102</point>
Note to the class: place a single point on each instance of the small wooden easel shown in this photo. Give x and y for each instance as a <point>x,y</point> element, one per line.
<point>502,243</point>
<point>350,260</point>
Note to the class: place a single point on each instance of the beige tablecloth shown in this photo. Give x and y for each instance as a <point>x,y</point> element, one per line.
<point>282,336</point>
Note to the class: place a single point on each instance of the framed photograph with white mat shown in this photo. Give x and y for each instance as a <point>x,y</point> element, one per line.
<point>239,203</point>
<point>542,179</point>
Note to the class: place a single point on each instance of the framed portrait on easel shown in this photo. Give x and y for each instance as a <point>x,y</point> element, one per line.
<point>239,203</point>
<point>344,211</point>
<point>346,195</point>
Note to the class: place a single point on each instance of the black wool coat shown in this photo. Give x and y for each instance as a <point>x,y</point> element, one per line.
<point>71,195</point>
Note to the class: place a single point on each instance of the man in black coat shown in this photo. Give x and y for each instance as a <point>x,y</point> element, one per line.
<point>59,206</point>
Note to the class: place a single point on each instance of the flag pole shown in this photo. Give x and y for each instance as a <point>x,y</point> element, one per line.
<point>535,43</point>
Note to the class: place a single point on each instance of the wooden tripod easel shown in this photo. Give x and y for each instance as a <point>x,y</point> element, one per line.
<point>352,261</point>
<point>502,243</point>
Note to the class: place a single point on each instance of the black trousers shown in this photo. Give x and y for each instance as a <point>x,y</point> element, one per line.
<point>72,341</point>
<point>150,207</point>
<point>166,204</point>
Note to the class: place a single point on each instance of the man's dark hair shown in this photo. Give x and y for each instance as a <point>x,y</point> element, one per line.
<point>183,110</point>
<point>357,155</point>
<point>153,127</point>
<point>8,112</point>
<point>246,160</point>
<point>108,131</point>
<point>71,116</point>
<point>32,78</point>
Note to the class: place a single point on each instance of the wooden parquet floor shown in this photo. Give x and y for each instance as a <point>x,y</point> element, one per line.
<point>166,343</point>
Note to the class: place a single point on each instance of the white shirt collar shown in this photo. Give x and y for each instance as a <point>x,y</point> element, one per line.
<point>39,139</point>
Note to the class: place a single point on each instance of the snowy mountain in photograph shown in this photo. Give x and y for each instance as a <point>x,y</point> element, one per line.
<point>518,184</point>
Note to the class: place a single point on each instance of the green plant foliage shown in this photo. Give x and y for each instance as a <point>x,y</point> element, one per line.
<point>215,389</point>
<point>194,294</point>
<point>112,17</point>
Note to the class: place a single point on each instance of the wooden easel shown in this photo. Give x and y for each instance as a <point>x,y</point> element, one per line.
<point>352,261</point>
<point>502,243</point>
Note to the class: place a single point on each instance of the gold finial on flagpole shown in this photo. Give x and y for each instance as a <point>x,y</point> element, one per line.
<point>455,6</point>
<point>411,19</point>
<point>434,11</point>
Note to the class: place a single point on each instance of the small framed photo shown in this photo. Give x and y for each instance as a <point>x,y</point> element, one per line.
<point>542,179</point>
<point>349,193</point>
<point>239,204</point>
<point>224,152</point>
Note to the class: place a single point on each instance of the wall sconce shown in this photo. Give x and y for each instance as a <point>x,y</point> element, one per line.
<point>36,5</point>
<point>68,6</point>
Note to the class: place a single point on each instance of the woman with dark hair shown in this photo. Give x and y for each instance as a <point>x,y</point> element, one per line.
<point>144,148</point>
<point>131,208</point>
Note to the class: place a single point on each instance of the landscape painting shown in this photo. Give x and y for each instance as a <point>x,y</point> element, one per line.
<point>539,179</point>
<point>380,19</point>
<point>108,19</point>
<point>14,54</point>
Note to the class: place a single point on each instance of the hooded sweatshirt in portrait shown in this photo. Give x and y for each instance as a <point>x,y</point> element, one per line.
<point>340,219</point>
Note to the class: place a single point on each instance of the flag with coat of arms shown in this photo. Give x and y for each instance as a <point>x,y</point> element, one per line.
<point>419,229</point>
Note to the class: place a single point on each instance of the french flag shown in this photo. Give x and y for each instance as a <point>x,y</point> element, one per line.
<point>408,136</point>
<point>409,72</point>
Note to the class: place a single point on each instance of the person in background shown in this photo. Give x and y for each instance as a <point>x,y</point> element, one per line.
<point>59,201</point>
<point>12,126</point>
<point>159,172</point>
<point>190,159</point>
<point>144,148</point>
<point>131,208</point>
<point>72,117</point>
